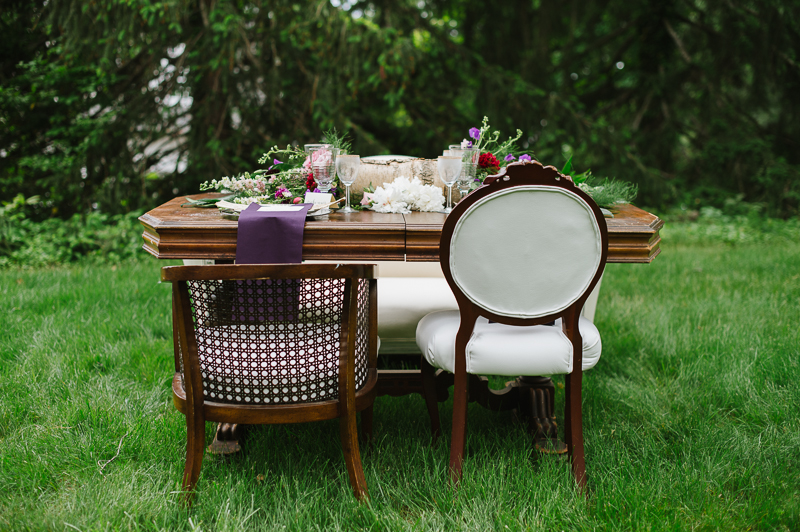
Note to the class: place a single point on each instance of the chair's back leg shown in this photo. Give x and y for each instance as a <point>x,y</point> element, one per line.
<point>429,392</point>
<point>366,424</point>
<point>460,399</point>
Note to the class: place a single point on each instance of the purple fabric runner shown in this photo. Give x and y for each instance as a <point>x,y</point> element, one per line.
<point>271,237</point>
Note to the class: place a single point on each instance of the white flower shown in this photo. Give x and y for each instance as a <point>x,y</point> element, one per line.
<point>466,144</point>
<point>403,195</point>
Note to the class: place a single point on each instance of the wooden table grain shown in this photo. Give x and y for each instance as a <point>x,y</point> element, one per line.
<point>174,232</point>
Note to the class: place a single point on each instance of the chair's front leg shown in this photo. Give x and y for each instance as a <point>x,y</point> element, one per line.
<point>195,441</point>
<point>348,431</point>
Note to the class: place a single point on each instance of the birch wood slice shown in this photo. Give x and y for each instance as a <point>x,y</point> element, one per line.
<point>386,168</point>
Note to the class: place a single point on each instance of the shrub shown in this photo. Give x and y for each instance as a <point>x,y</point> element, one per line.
<point>95,236</point>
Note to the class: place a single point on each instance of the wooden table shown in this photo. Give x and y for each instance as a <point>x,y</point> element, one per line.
<point>173,232</point>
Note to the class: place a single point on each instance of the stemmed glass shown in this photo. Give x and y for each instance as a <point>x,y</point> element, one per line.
<point>347,170</point>
<point>323,164</point>
<point>469,158</point>
<point>449,168</point>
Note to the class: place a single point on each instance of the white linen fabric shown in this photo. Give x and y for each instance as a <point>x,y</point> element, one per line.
<point>498,349</point>
<point>403,301</point>
<point>526,252</point>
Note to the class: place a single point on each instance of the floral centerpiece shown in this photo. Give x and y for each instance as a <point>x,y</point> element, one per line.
<point>495,155</point>
<point>284,181</point>
<point>404,195</point>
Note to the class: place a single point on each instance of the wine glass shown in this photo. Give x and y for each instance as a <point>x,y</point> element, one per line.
<point>449,168</point>
<point>347,170</point>
<point>469,158</point>
<point>323,164</point>
<point>309,147</point>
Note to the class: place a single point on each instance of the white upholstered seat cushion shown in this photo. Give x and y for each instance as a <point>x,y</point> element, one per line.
<point>497,349</point>
<point>403,301</point>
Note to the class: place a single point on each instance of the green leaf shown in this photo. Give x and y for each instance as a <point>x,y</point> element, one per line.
<point>567,170</point>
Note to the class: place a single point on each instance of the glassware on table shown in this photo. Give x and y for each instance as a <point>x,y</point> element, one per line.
<point>469,158</point>
<point>347,170</point>
<point>308,147</point>
<point>449,167</point>
<point>323,164</point>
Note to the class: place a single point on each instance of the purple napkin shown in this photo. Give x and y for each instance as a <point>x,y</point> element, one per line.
<point>271,237</point>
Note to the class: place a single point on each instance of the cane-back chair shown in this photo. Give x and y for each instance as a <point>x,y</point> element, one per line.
<point>521,252</point>
<point>274,344</point>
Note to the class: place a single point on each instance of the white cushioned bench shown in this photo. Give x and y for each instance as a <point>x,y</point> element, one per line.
<point>407,291</point>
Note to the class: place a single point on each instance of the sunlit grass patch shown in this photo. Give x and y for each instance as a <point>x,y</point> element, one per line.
<point>690,416</point>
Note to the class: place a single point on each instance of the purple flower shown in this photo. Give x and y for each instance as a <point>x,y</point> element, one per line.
<point>508,158</point>
<point>317,190</point>
<point>276,161</point>
<point>525,157</point>
<point>282,193</point>
<point>475,133</point>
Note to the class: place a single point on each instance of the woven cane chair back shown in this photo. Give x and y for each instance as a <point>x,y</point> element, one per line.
<point>274,341</point>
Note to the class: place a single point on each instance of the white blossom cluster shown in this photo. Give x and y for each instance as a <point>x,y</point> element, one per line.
<point>247,184</point>
<point>404,195</point>
<point>247,200</point>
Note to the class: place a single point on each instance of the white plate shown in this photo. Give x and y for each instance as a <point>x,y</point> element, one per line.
<point>315,214</point>
<point>228,215</point>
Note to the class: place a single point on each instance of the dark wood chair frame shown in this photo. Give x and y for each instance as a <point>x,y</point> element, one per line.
<point>198,410</point>
<point>514,175</point>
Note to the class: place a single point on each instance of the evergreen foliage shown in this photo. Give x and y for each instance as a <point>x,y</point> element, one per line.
<point>121,105</point>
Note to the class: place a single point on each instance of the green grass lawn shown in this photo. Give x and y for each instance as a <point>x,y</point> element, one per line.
<point>691,416</point>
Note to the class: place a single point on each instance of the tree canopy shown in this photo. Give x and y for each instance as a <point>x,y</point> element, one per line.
<point>123,104</point>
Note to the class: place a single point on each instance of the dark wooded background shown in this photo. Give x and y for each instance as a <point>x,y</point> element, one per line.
<point>117,106</point>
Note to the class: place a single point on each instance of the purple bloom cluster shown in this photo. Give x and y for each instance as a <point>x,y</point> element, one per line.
<point>525,157</point>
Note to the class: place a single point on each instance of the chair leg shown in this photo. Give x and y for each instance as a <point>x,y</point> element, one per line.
<point>574,427</point>
<point>366,424</point>
<point>348,432</point>
<point>195,443</point>
<point>429,392</point>
<point>460,397</point>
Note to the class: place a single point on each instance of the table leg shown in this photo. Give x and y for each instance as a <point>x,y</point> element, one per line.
<point>532,397</point>
<point>226,440</point>
<point>537,406</point>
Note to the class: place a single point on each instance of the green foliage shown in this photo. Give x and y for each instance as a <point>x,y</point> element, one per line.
<point>341,141</point>
<point>96,237</point>
<point>737,222</point>
<point>127,104</point>
<point>609,192</point>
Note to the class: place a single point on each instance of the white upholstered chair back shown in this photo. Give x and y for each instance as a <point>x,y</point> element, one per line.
<point>527,246</point>
<point>526,252</point>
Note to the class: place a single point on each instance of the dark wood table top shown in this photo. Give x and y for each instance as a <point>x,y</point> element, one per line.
<point>173,232</point>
